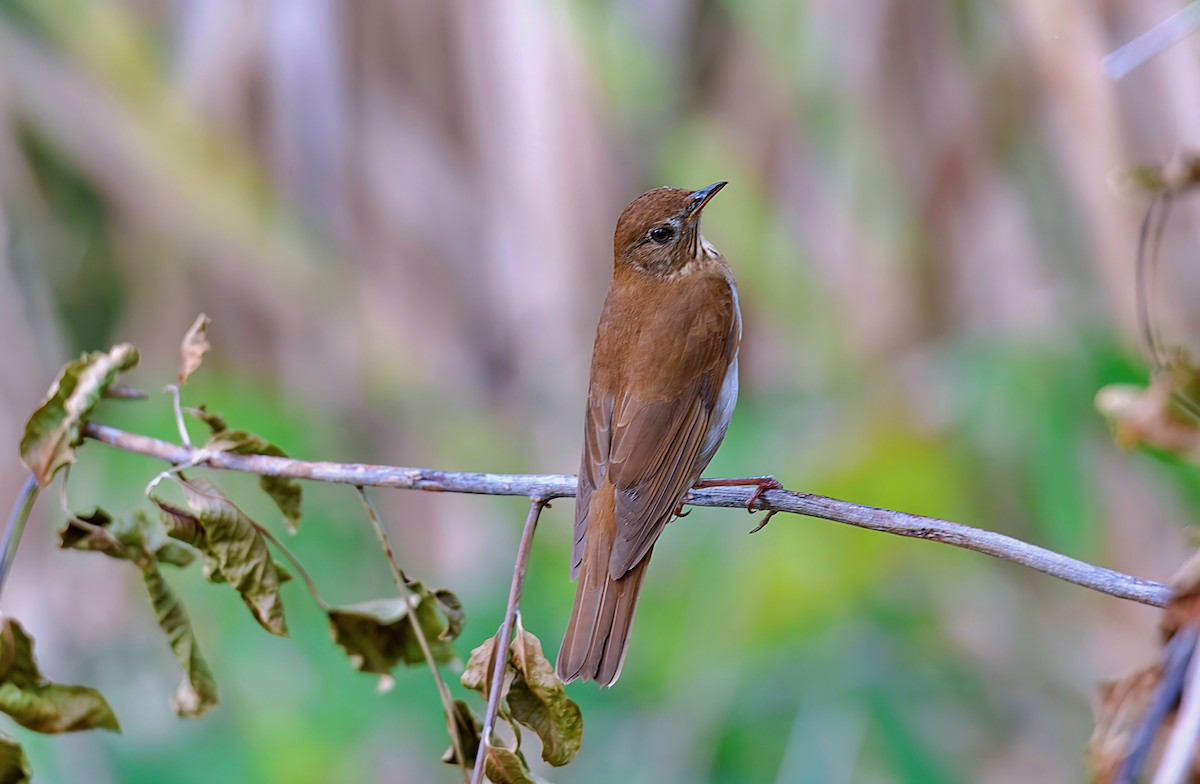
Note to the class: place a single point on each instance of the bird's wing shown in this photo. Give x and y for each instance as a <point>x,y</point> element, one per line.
<point>645,440</point>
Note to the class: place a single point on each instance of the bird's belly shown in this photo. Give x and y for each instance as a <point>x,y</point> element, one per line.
<point>722,413</point>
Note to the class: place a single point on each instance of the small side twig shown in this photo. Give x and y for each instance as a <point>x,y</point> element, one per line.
<point>179,423</point>
<point>15,526</point>
<point>504,637</point>
<point>402,583</point>
<point>1177,654</point>
<point>1177,760</point>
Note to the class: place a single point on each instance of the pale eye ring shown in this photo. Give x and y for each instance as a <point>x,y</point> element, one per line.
<point>662,234</point>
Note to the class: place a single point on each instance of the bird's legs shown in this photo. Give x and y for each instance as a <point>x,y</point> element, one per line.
<point>761,485</point>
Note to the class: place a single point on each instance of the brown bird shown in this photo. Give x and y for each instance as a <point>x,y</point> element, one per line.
<point>662,390</point>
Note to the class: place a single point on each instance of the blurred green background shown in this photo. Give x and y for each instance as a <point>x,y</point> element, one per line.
<point>399,216</point>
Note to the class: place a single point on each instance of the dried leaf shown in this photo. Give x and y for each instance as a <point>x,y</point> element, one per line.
<point>1147,417</point>
<point>198,691</point>
<point>469,729</point>
<point>56,428</point>
<point>377,634</point>
<point>14,768</point>
<point>537,700</point>
<point>36,703</point>
<point>130,538</point>
<point>193,348</point>
<point>1119,712</point>
<point>507,766</point>
<point>478,673</point>
<point>134,538</point>
<point>286,492</point>
<point>532,694</point>
<point>1184,605</point>
<point>235,543</point>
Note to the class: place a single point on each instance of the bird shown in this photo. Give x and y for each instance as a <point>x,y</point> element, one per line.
<point>662,389</point>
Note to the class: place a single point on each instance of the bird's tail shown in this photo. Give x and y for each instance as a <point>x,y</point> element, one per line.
<point>598,633</point>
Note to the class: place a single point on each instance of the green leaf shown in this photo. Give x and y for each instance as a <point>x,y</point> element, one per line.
<point>377,634</point>
<point>235,543</point>
<point>14,768</point>
<point>56,428</point>
<point>198,691</point>
<point>193,348</point>
<point>284,491</point>
<point>537,700</point>
<point>36,703</point>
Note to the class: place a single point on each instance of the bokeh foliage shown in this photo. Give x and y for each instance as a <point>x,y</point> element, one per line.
<point>399,216</point>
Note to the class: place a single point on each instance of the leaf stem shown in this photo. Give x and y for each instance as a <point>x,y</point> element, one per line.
<point>504,638</point>
<point>295,562</point>
<point>402,583</point>
<point>179,423</point>
<point>17,519</point>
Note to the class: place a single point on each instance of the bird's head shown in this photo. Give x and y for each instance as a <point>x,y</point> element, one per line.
<point>659,232</point>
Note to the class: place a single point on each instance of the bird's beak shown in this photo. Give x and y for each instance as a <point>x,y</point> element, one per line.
<point>700,198</point>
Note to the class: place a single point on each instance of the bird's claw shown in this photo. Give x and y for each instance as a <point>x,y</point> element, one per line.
<point>764,484</point>
<point>766,519</point>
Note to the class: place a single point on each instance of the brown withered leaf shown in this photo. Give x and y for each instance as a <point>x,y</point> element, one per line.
<point>1148,417</point>
<point>532,694</point>
<point>477,675</point>
<point>1119,712</point>
<point>14,768</point>
<point>507,766</point>
<point>234,541</point>
<point>193,348</point>
<point>38,704</point>
<point>377,634</point>
<point>538,700</point>
<point>56,427</point>
<point>1163,416</point>
<point>287,493</point>
<point>469,729</point>
<point>1184,606</point>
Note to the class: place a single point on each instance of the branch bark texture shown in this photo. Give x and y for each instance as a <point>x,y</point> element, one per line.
<point>550,486</point>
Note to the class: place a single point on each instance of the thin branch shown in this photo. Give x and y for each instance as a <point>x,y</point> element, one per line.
<point>1176,762</point>
<point>402,583</point>
<point>17,519</point>
<point>1176,655</point>
<point>504,638</point>
<point>551,486</point>
<point>180,425</point>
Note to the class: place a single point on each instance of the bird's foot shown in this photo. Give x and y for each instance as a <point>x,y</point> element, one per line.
<point>761,485</point>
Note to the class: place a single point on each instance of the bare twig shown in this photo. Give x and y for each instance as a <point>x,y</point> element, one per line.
<point>1176,655</point>
<point>1149,240</point>
<point>504,637</point>
<point>179,423</point>
<point>16,526</point>
<point>1176,764</point>
<point>122,392</point>
<point>551,486</point>
<point>402,583</point>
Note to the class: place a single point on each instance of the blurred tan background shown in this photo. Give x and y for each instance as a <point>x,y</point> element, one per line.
<point>399,216</point>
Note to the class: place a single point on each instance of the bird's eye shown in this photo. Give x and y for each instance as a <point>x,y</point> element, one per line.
<point>661,234</point>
